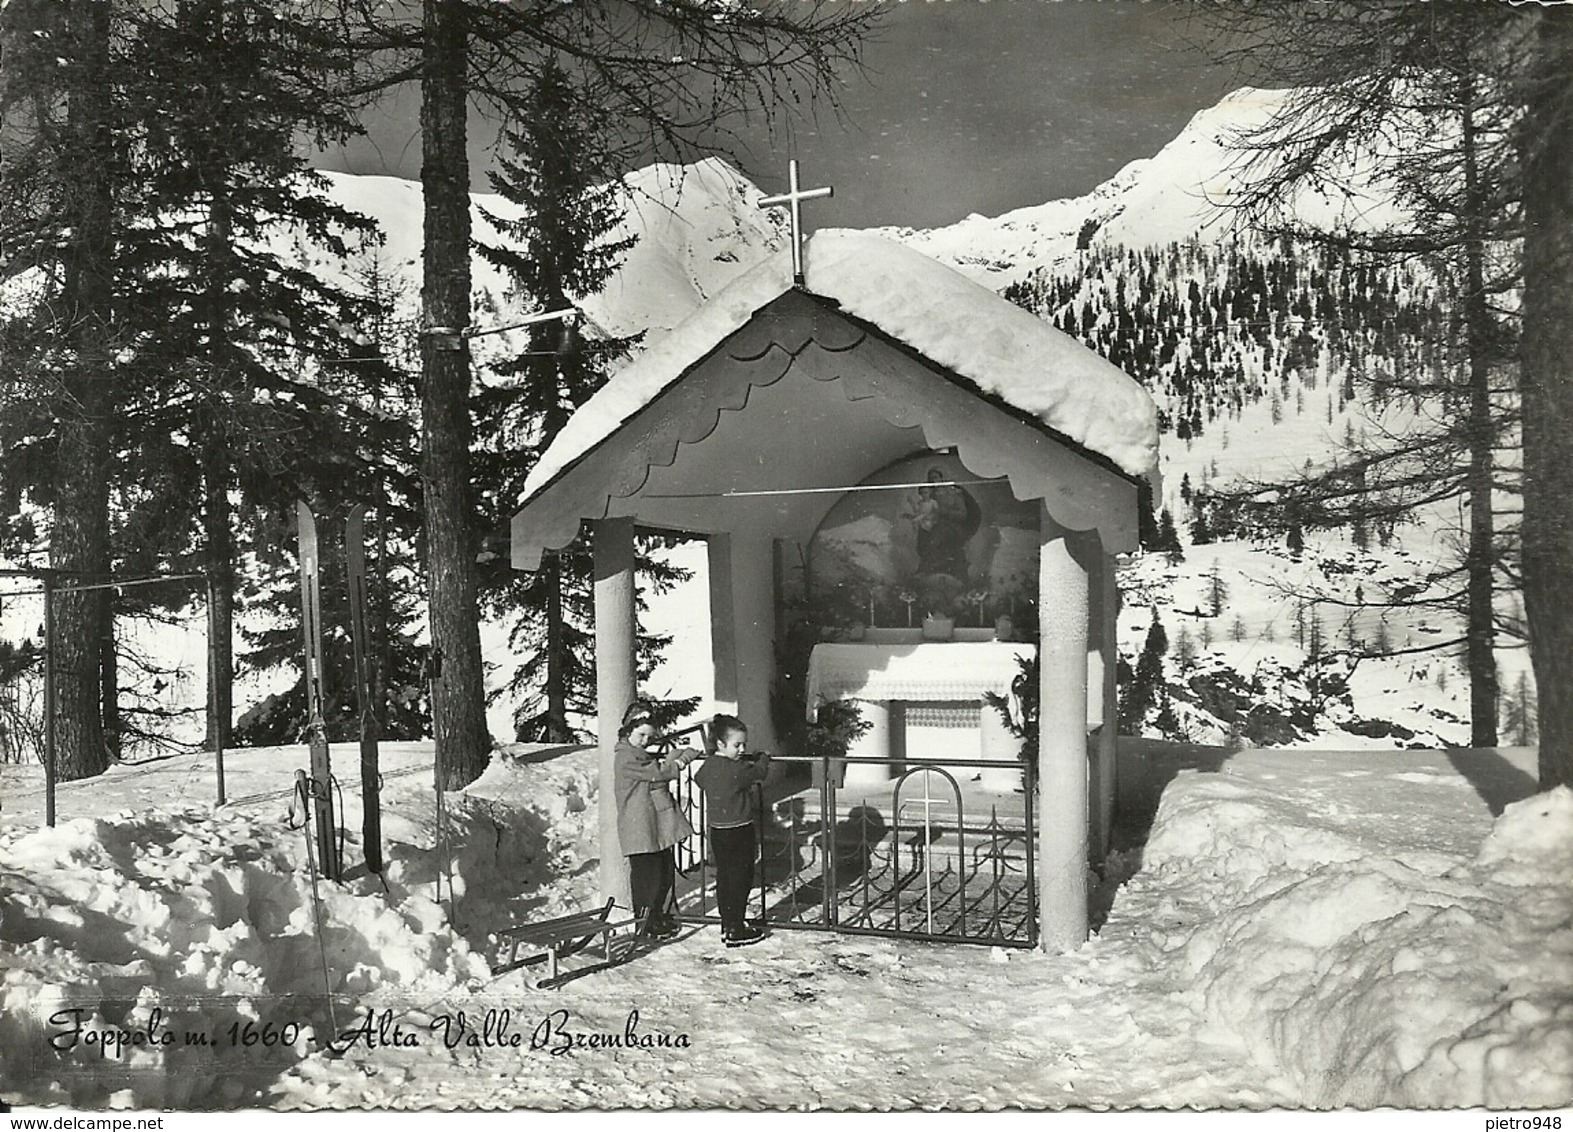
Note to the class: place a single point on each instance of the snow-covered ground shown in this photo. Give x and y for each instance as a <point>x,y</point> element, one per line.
<point>1300,929</point>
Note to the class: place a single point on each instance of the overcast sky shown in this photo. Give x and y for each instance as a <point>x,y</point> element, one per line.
<point>966,106</point>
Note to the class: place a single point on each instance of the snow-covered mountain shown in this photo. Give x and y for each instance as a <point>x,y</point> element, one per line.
<point>1181,192</point>
<point>697,227</point>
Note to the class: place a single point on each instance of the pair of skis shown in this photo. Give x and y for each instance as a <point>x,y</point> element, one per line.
<point>321,780</point>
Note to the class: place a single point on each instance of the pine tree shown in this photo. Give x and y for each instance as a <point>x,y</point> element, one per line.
<point>1217,591</point>
<point>193,161</point>
<point>402,705</point>
<point>1169,538</point>
<point>560,253</point>
<point>1147,530</point>
<point>59,185</point>
<point>237,333</point>
<point>1519,712</point>
<point>1201,529</point>
<point>376,393</point>
<point>1316,642</point>
<point>1146,686</point>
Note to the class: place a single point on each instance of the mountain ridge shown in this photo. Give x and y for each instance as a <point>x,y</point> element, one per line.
<point>699,225</point>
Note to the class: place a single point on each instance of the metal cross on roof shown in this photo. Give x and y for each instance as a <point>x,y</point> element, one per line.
<point>793,199</point>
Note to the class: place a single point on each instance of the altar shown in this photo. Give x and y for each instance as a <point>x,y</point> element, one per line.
<point>923,701</point>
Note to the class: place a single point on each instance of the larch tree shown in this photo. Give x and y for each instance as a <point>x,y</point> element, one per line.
<point>1415,96</point>
<point>452,586</point>
<point>1546,382</point>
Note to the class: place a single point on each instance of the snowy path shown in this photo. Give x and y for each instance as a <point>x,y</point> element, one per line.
<point>820,1021</point>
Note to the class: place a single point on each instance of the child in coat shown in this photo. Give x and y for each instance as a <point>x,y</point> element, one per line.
<point>728,777</point>
<point>648,822</point>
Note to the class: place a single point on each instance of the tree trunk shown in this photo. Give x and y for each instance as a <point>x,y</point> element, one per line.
<point>458,689</point>
<point>79,539</point>
<point>109,671</point>
<point>1480,562</point>
<point>217,472</point>
<point>219,562</point>
<point>1546,384</point>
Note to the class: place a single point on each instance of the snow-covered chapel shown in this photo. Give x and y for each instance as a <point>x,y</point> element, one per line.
<point>933,469</point>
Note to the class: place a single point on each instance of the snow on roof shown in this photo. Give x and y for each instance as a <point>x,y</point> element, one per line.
<point>920,302</point>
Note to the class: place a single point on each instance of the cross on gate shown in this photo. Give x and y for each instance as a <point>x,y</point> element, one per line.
<point>793,199</point>
<point>928,802</point>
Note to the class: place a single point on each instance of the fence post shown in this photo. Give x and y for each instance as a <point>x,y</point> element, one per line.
<point>827,838</point>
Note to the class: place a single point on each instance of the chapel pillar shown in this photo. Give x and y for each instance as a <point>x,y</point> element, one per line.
<point>1065,560</point>
<point>1103,704</point>
<point>615,683</point>
<point>754,633</point>
<point>723,623</point>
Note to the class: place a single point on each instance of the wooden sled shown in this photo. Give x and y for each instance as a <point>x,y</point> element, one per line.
<point>564,936</point>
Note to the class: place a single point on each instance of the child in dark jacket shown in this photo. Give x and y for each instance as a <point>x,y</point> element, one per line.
<point>727,777</point>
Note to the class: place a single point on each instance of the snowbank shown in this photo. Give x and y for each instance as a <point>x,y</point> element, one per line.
<point>1375,979</point>
<point>212,919</point>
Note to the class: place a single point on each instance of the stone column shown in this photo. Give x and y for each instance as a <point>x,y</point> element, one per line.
<point>615,676</point>
<point>1103,691</point>
<point>1063,610</point>
<point>723,623</point>
<point>754,633</point>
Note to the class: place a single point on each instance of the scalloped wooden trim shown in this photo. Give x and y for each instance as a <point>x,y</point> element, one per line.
<point>1079,494</point>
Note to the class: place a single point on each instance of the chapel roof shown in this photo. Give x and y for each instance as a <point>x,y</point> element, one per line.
<point>934,310</point>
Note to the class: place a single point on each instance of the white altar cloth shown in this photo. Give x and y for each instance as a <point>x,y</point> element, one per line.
<point>931,670</point>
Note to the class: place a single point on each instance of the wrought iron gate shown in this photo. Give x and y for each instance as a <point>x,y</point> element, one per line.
<point>908,859</point>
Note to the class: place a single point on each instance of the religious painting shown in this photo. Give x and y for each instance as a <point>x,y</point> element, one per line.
<point>923,540</point>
